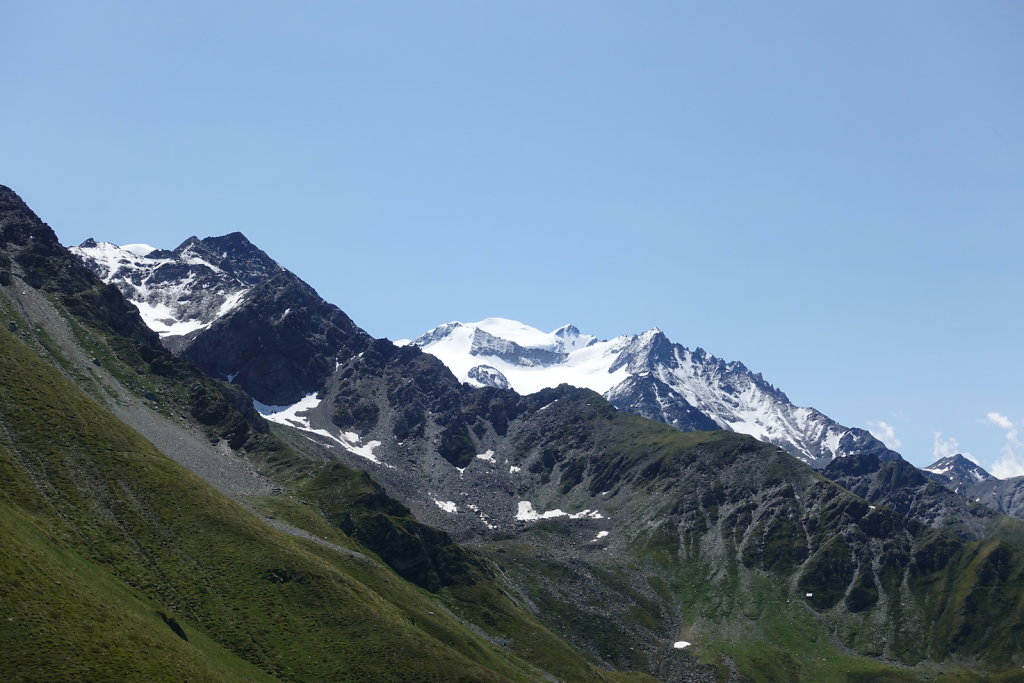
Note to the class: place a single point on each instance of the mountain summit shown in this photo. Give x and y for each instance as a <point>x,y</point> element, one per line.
<point>184,290</point>
<point>646,374</point>
<point>957,471</point>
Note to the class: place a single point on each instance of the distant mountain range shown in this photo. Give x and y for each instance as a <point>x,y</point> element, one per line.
<point>184,292</point>
<point>204,283</point>
<point>648,375</point>
<point>493,482</point>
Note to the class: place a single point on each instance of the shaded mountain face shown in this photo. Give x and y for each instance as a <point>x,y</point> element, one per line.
<point>912,492</point>
<point>625,535</point>
<point>1003,495</point>
<point>225,305</point>
<point>648,375</point>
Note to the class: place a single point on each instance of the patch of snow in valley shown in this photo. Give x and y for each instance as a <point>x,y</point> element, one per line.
<point>587,514</point>
<point>446,505</point>
<point>484,519</point>
<point>526,513</point>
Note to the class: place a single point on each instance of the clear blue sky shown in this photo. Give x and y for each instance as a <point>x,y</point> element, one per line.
<point>831,192</point>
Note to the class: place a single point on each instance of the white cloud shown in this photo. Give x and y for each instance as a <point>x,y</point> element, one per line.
<point>1010,463</point>
<point>1000,420</point>
<point>884,432</point>
<point>943,448</point>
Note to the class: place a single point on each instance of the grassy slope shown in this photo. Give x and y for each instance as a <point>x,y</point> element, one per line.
<point>102,533</point>
<point>480,602</point>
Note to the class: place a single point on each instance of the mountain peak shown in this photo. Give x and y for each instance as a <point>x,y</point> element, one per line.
<point>233,243</point>
<point>19,224</point>
<point>183,291</point>
<point>958,469</point>
<point>184,246</point>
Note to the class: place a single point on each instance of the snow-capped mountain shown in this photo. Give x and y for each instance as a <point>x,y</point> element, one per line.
<point>957,472</point>
<point>206,297</point>
<point>225,305</point>
<point>185,290</point>
<point>645,374</point>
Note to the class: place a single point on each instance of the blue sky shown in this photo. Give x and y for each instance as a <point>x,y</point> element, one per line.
<point>830,192</point>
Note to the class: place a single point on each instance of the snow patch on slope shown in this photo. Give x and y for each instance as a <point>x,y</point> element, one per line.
<point>446,505</point>
<point>297,415</point>
<point>526,513</point>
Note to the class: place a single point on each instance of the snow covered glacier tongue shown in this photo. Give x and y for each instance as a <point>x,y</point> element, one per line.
<point>648,375</point>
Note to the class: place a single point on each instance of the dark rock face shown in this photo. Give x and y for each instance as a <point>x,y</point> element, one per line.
<point>971,481</point>
<point>899,485</point>
<point>233,253</point>
<point>32,246</point>
<point>486,344</point>
<point>1003,495</point>
<point>1007,496</point>
<point>404,394</point>
<point>489,376</point>
<point>649,397</point>
<point>280,344</point>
